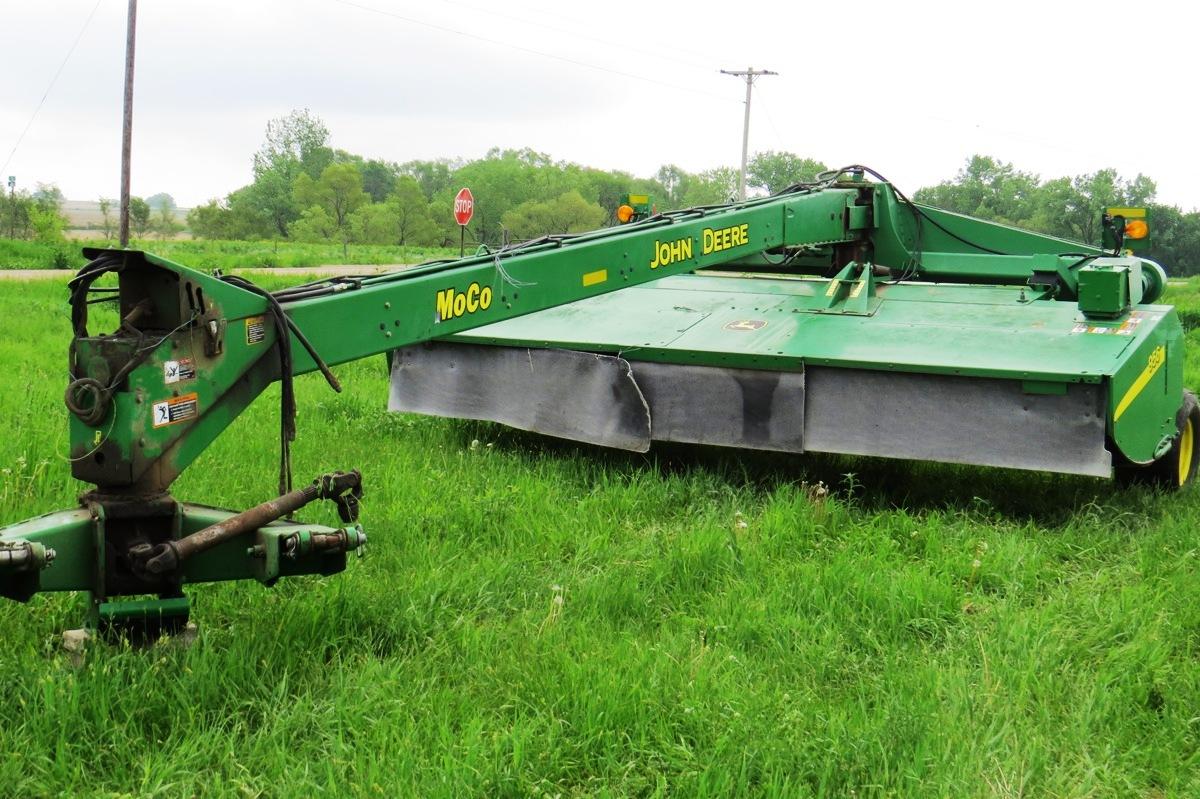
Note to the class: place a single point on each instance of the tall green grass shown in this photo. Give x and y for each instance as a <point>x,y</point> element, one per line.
<point>227,255</point>
<point>538,619</point>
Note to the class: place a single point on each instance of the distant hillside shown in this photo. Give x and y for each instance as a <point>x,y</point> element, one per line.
<point>85,214</point>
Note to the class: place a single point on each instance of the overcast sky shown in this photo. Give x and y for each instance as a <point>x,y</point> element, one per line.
<point>911,89</point>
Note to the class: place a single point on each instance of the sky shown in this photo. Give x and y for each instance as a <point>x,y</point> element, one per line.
<point>910,89</point>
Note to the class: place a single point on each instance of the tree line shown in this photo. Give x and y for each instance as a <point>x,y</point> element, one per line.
<point>303,189</point>
<point>37,215</point>
<point>1069,207</point>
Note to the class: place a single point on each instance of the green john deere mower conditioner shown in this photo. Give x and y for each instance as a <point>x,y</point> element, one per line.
<point>835,316</point>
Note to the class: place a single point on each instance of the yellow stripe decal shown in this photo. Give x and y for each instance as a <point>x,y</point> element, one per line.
<point>1128,213</point>
<point>1157,358</point>
<point>592,278</point>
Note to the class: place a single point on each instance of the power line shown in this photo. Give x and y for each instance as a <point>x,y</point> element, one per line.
<point>767,110</point>
<point>529,50</point>
<point>53,80</point>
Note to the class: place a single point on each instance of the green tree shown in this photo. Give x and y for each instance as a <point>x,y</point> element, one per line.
<point>404,218</point>
<point>775,171</point>
<point>106,222</point>
<point>379,179</point>
<point>294,145</point>
<point>46,220</point>
<point>441,212</point>
<point>1072,207</point>
<point>48,197</point>
<point>209,221</point>
<point>675,183</point>
<point>47,225</point>
<point>16,207</point>
<point>988,189</point>
<point>338,193</point>
<point>159,201</point>
<point>567,213</point>
<point>315,224</point>
<point>506,178</point>
<point>1174,239</point>
<point>434,177</point>
<point>139,216</point>
<point>712,187</point>
<point>165,224</point>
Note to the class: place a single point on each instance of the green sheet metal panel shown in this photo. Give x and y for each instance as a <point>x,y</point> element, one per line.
<point>986,331</point>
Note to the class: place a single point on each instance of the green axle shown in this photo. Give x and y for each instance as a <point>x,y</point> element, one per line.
<point>194,350</point>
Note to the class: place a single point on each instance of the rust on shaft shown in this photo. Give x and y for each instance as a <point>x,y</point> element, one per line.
<point>251,519</point>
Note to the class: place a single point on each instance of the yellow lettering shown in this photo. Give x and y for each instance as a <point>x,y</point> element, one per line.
<point>686,248</point>
<point>723,239</point>
<point>452,304</point>
<point>655,264</point>
<point>445,304</point>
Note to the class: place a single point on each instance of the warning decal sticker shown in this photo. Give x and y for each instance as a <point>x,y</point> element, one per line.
<point>176,410</point>
<point>178,371</point>
<point>256,329</point>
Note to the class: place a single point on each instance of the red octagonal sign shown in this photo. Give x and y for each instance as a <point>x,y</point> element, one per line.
<point>464,206</point>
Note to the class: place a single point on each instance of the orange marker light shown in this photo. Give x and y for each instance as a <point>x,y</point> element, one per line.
<point>1136,229</point>
<point>624,213</point>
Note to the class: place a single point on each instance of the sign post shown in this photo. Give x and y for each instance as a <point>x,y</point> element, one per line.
<point>464,209</point>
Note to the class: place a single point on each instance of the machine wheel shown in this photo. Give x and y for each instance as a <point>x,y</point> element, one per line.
<point>1178,466</point>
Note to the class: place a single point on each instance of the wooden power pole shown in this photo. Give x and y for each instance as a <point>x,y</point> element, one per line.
<point>127,127</point>
<point>749,74</point>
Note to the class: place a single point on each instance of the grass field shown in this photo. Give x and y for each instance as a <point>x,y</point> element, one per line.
<point>538,619</point>
<point>227,255</point>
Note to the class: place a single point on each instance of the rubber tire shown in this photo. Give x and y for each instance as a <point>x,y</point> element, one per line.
<point>1177,468</point>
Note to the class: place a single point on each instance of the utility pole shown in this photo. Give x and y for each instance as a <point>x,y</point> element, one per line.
<point>12,207</point>
<point>127,127</point>
<point>750,73</point>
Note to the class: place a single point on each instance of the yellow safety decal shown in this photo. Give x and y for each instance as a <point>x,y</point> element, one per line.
<point>256,329</point>
<point>858,287</point>
<point>592,278</point>
<point>1128,213</point>
<point>833,287</point>
<point>1157,358</point>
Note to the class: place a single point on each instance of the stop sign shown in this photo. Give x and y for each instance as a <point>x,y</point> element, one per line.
<point>464,206</point>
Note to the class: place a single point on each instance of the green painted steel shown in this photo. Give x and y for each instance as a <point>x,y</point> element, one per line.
<point>898,287</point>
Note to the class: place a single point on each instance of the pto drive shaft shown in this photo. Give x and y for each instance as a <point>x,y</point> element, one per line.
<point>344,488</point>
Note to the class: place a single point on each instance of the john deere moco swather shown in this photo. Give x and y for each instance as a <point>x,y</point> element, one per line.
<point>835,316</point>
